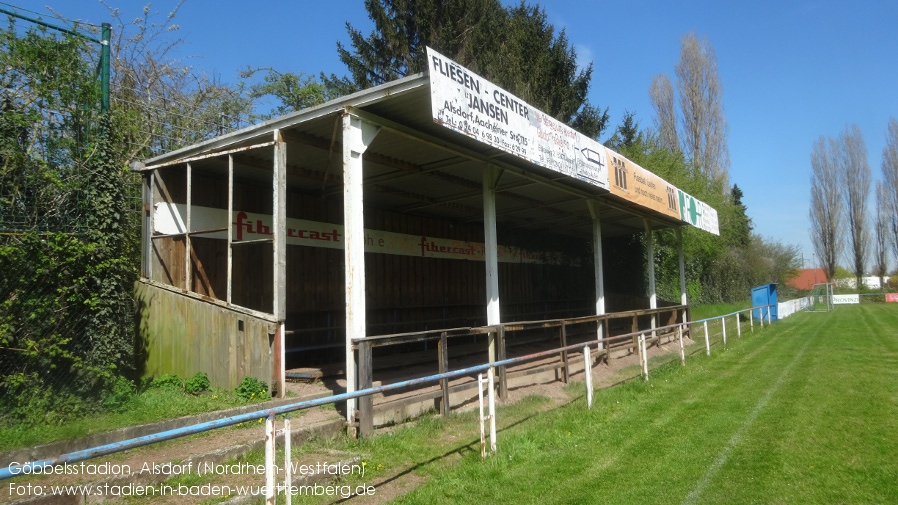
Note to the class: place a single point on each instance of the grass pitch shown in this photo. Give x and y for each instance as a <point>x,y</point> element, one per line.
<point>805,411</point>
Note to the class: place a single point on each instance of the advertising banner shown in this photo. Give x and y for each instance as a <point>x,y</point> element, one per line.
<point>636,184</point>
<point>846,299</point>
<point>467,103</point>
<point>892,297</point>
<point>169,219</point>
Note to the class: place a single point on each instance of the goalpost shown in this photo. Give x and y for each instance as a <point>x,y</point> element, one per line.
<point>821,298</point>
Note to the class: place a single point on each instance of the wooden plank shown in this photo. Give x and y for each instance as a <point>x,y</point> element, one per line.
<point>443,352</point>
<point>366,377</point>
<point>503,374</point>
<point>562,333</point>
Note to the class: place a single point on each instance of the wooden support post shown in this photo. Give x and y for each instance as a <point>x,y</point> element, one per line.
<point>606,333</point>
<point>562,335</point>
<point>366,380</point>
<point>443,352</point>
<point>503,376</point>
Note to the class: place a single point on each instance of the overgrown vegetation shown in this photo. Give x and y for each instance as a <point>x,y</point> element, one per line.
<point>67,252</point>
<point>126,403</point>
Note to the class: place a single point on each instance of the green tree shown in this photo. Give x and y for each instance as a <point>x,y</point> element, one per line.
<point>161,103</point>
<point>514,47</point>
<point>293,92</point>
<point>626,135</point>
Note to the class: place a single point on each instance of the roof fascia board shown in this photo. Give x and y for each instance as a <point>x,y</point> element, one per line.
<point>358,99</point>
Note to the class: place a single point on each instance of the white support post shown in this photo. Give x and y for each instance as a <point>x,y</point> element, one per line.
<point>270,464</point>
<point>230,225</point>
<point>482,417</point>
<point>151,225</point>
<point>761,317</point>
<point>650,259</point>
<point>491,395</point>
<point>738,325</point>
<point>587,372</point>
<point>188,275</point>
<point>146,232</point>
<point>645,357</point>
<point>751,320</point>
<point>723,322</point>
<point>279,257</point>
<point>491,251</point>
<point>682,263</point>
<point>598,267</point>
<point>769,315</point>
<point>682,349</point>
<point>288,458</point>
<point>707,340</point>
<point>357,136</point>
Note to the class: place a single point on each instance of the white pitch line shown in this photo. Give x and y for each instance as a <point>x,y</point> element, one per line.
<point>736,439</point>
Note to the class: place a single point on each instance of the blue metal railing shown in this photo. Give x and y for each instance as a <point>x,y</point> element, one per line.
<point>14,469</point>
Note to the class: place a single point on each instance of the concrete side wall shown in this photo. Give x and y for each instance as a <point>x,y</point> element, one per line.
<point>182,335</point>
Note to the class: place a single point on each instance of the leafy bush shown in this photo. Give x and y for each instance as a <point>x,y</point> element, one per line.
<point>197,384</point>
<point>122,392</point>
<point>253,389</point>
<point>167,381</point>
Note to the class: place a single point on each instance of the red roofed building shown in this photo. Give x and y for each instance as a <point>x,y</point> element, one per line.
<point>806,279</point>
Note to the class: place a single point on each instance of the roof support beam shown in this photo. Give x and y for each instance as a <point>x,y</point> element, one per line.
<point>650,259</point>
<point>357,136</point>
<point>599,267</point>
<point>682,262</point>
<point>279,255</point>
<point>491,252</point>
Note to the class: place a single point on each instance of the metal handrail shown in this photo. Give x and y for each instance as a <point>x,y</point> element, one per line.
<point>14,469</point>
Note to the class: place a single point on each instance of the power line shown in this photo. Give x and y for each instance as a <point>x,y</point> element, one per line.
<point>71,21</point>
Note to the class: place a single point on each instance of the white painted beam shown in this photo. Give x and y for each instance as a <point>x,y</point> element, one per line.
<point>599,267</point>
<point>491,248</point>
<point>279,255</point>
<point>682,262</point>
<point>357,136</point>
<point>650,260</point>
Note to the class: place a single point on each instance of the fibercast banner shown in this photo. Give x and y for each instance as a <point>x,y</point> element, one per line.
<point>469,104</point>
<point>167,220</point>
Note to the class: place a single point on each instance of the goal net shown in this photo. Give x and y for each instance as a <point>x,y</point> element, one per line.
<point>821,298</point>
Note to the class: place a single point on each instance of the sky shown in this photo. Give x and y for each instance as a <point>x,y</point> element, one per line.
<point>791,70</point>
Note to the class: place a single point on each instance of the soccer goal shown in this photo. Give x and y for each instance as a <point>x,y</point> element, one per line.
<point>821,298</point>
